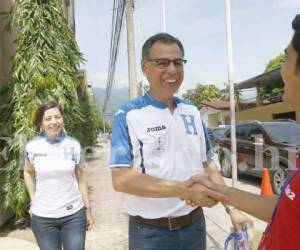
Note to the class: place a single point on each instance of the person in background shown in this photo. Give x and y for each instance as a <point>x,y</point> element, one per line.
<point>60,209</point>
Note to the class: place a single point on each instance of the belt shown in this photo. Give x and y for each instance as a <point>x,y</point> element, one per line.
<point>173,223</point>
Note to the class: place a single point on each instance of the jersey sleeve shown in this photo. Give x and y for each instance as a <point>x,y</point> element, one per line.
<point>29,153</point>
<point>78,156</point>
<point>209,148</point>
<point>121,148</point>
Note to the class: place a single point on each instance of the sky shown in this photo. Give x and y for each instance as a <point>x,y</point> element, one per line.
<point>261,29</point>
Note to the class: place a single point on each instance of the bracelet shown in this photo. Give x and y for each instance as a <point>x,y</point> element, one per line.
<point>228,209</point>
<point>88,207</point>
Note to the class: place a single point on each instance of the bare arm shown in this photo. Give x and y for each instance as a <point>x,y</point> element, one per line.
<point>238,219</point>
<point>130,181</point>
<point>83,187</point>
<point>213,172</point>
<point>256,205</point>
<point>82,184</point>
<point>133,182</point>
<point>29,178</point>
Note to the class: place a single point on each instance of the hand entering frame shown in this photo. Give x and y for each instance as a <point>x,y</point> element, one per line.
<point>201,190</point>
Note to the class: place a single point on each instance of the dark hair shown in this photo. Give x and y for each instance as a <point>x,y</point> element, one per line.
<point>160,37</point>
<point>39,114</point>
<point>296,39</point>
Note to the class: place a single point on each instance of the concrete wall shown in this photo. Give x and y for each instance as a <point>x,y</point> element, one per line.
<point>69,11</point>
<point>5,215</point>
<point>218,118</point>
<point>213,120</point>
<point>264,113</point>
<point>7,46</point>
<point>213,117</point>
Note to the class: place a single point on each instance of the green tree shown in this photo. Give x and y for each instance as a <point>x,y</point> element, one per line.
<point>266,90</point>
<point>44,67</point>
<point>203,93</point>
<point>275,63</point>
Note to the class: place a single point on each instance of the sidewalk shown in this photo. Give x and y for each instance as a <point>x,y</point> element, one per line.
<point>110,231</point>
<point>111,220</point>
<point>218,223</point>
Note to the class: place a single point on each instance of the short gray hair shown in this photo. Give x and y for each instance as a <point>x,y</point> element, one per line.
<point>160,37</point>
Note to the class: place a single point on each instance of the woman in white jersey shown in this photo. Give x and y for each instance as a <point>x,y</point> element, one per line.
<point>60,210</point>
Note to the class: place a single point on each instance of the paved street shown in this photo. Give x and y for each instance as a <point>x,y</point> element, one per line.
<point>109,209</point>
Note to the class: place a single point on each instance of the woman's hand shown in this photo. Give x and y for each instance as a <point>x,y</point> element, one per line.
<point>30,210</point>
<point>89,219</point>
<point>239,220</point>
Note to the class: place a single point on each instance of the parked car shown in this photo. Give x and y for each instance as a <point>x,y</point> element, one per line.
<point>216,133</point>
<point>271,144</point>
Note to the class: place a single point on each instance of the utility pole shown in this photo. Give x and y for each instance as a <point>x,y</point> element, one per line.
<point>103,124</point>
<point>131,51</point>
<point>164,15</point>
<point>231,94</point>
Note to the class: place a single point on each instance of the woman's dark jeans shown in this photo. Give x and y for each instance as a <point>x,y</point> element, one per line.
<point>52,233</point>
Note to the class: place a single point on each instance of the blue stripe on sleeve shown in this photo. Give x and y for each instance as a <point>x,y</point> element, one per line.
<point>120,142</point>
<point>209,148</point>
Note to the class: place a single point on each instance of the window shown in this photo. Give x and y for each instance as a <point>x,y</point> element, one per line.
<point>241,131</point>
<point>253,130</point>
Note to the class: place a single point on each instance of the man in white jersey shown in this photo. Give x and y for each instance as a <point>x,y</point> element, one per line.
<point>158,143</point>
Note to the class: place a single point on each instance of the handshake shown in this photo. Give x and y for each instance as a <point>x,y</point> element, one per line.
<point>200,190</point>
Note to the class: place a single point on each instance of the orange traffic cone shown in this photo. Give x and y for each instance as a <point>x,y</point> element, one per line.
<point>266,188</point>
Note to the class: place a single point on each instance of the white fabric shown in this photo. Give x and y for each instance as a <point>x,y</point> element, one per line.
<point>57,193</point>
<point>161,146</point>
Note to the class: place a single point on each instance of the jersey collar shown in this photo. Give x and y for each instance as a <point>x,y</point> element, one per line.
<point>59,139</point>
<point>159,104</point>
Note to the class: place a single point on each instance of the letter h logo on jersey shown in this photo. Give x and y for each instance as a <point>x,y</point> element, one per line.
<point>189,123</point>
<point>70,154</point>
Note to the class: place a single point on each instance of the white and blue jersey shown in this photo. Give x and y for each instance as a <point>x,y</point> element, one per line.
<point>154,141</point>
<point>57,193</point>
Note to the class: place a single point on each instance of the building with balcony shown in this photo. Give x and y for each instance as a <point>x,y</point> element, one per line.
<point>266,107</point>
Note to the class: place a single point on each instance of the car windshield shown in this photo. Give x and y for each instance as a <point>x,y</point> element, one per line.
<point>219,131</point>
<point>284,132</point>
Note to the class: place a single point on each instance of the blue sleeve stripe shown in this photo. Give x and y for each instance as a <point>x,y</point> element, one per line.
<point>121,148</point>
<point>207,141</point>
<point>142,157</point>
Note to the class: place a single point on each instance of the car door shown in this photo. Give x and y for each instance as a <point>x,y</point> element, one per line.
<point>242,145</point>
<point>253,147</point>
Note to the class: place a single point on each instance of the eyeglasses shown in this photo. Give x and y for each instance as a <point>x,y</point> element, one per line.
<point>164,63</point>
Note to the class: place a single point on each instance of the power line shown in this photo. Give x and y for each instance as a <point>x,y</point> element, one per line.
<point>116,28</point>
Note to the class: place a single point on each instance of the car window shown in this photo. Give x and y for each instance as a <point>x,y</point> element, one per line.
<point>219,131</point>
<point>241,131</point>
<point>253,130</point>
<point>283,132</point>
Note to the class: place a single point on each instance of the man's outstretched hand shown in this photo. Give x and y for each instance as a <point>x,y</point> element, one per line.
<point>200,192</point>
<point>238,219</point>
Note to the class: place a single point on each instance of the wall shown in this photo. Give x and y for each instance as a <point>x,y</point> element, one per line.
<point>7,46</point>
<point>264,113</point>
<point>216,119</point>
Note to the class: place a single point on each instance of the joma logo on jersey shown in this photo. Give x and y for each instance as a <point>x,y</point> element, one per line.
<point>158,128</point>
<point>39,155</point>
